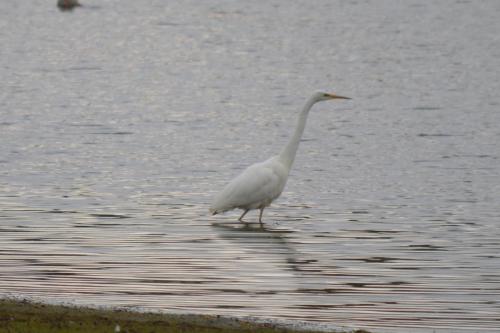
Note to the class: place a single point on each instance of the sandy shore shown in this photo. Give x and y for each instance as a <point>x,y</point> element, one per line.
<point>31,317</point>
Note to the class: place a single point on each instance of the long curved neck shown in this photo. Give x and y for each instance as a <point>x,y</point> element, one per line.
<point>288,153</point>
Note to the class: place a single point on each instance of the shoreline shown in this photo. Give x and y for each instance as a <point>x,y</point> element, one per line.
<point>29,316</point>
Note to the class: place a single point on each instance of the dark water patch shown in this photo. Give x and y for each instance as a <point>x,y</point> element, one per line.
<point>426,108</point>
<point>38,262</point>
<point>435,162</point>
<point>24,209</point>
<point>104,225</point>
<point>426,247</point>
<point>372,231</point>
<point>152,293</point>
<point>398,283</point>
<point>376,259</point>
<point>331,306</point>
<point>83,225</point>
<point>32,239</point>
<point>301,261</point>
<point>85,125</point>
<point>357,234</point>
<point>55,273</point>
<point>266,292</point>
<point>324,291</point>
<point>15,229</point>
<point>305,206</point>
<point>113,133</point>
<point>377,285</point>
<point>110,216</point>
<point>170,24</point>
<point>60,211</point>
<point>462,201</point>
<point>357,284</point>
<point>84,68</point>
<point>197,240</point>
<point>437,135</point>
<point>231,291</point>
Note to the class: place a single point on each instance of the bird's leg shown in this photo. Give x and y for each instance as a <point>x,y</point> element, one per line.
<point>244,213</point>
<point>260,215</point>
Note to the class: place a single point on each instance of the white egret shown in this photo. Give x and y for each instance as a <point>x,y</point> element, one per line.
<point>261,183</point>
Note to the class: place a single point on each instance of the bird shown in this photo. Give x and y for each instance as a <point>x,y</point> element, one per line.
<point>262,183</point>
<point>67,4</point>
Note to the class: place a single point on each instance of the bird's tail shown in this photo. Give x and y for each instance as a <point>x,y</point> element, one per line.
<point>213,211</point>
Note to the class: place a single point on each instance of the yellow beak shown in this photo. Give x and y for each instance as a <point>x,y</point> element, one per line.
<point>332,96</point>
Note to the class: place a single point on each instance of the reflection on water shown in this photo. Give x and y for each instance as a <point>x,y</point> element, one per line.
<point>281,270</point>
<point>118,126</point>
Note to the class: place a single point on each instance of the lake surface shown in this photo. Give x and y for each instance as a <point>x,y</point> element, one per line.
<point>120,120</point>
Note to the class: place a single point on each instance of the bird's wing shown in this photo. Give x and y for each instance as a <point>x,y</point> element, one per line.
<point>258,184</point>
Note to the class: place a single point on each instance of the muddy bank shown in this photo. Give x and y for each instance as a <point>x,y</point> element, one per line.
<point>32,317</point>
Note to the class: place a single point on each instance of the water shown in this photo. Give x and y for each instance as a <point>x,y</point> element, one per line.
<point>120,121</point>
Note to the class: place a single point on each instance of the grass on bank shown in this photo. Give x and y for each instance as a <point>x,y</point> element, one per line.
<point>29,317</point>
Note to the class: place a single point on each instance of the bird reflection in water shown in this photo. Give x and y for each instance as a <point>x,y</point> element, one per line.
<point>269,244</point>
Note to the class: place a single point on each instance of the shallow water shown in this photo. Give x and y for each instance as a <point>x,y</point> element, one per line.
<point>119,122</point>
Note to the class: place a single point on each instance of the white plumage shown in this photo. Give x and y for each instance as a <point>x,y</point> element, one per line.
<point>257,185</point>
<point>261,183</point>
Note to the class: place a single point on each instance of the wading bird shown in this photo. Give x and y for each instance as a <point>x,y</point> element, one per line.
<point>261,183</point>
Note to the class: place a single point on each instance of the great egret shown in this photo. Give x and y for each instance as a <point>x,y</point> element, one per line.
<point>261,183</point>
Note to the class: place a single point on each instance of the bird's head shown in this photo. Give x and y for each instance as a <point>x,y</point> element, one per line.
<point>321,96</point>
